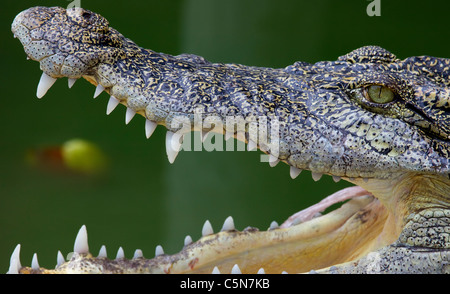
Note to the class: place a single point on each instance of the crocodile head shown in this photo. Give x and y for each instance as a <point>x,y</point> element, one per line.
<point>369,118</point>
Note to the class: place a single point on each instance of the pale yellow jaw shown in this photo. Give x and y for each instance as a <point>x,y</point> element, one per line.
<point>342,235</point>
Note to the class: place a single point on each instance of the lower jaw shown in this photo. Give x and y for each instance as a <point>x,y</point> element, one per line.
<point>345,234</point>
<point>342,235</point>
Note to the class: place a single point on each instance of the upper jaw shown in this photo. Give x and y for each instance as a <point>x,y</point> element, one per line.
<point>355,155</point>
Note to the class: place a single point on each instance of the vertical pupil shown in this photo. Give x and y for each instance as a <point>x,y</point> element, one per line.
<point>380,94</point>
<point>374,91</point>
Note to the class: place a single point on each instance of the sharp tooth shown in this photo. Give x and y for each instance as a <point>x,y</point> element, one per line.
<point>159,250</point>
<point>129,115</point>
<point>215,271</point>
<point>71,82</point>
<point>316,176</point>
<point>112,104</point>
<point>336,179</point>
<point>207,229</point>
<point>251,145</point>
<point>102,252</point>
<point>273,225</point>
<point>236,269</point>
<point>45,83</point>
<point>14,266</point>
<point>149,128</point>
<point>173,145</point>
<point>261,271</point>
<point>81,241</point>
<point>171,154</point>
<point>14,261</point>
<point>228,225</point>
<point>98,90</point>
<point>59,259</point>
<point>273,161</point>
<point>187,240</point>
<point>294,172</point>
<point>138,254</point>
<point>34,262</point>
<point>120,253</point>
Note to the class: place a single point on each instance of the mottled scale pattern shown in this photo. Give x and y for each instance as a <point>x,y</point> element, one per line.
<point>398,260</point>
<point>430,228</point>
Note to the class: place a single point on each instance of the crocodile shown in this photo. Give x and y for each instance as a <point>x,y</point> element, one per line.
<point>369,118</point>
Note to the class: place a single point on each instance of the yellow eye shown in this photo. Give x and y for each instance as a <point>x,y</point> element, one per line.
<point>380,94</point>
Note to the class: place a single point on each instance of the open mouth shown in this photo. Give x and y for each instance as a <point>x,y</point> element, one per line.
<point>306,241</point>
<point>337,237</point>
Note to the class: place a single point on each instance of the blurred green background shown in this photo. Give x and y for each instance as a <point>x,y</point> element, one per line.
<point>142,200</point>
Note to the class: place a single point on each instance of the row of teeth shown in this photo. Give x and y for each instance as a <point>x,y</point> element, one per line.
<point>81,247</point>
<point>172,139</point>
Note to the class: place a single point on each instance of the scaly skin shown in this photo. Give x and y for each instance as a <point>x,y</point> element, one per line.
<point>396,151</point>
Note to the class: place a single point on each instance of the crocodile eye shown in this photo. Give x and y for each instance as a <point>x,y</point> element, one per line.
<point>379,94</point>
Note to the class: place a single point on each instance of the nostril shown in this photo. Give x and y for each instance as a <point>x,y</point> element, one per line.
<point>87,15</point>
